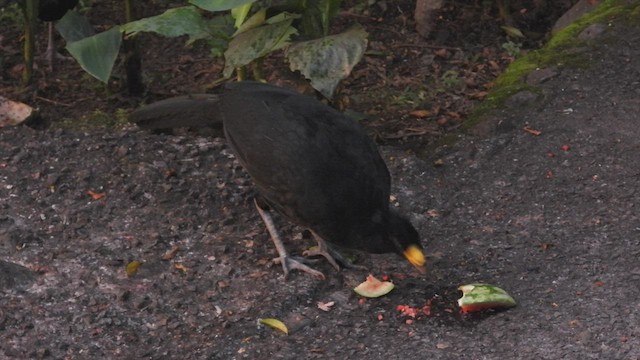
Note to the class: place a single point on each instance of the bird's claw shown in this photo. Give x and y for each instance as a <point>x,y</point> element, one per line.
<point>334,258</point>
<point>289,263</point>
<point>325,254</point>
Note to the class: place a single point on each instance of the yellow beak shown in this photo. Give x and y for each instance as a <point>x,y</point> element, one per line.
<point>415,256</point>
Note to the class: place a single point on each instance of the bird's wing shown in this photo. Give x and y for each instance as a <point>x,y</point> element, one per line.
<point>310,161</point>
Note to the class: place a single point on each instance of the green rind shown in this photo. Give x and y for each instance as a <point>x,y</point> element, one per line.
<point>484,295</point>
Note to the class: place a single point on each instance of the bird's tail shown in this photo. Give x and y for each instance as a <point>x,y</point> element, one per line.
<point>191,111</point>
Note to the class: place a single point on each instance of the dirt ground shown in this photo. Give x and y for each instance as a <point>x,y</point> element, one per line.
<point>552,219</point>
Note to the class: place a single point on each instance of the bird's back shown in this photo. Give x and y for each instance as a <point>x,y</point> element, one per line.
<point>52,10</point>
<point>309,161</point>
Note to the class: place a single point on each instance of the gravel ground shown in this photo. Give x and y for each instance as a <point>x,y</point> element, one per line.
<point>550,218</point>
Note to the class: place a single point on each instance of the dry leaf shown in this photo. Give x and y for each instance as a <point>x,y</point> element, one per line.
<point>325,306</point>
<point>512,31</point>
<point>479,94</point>
<point>441,53</point>
<point>454,115</point>
<point>96,195</point>
<point>171,253</point>
<point>169,173</point>
<point>420,113</point>
<point>532,131</point>
<point>181,267</point>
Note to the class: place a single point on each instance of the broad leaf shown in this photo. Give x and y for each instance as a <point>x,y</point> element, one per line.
<point>185,20</point>
<point>73,27</point>
<point>328,60</point>
<point>97,54</point>
<point>256,43</point>
<point>240,14</point>
<point>219,5</point>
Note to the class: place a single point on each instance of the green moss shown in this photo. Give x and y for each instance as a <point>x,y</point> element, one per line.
<point>93,121</point>
<point>634,15</point>
<point>562,51</point>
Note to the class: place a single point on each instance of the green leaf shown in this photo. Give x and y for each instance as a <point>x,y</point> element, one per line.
<point>328,60</point>
<point>186,20</point>
<point>328,9</point>
<point>240,14</point>
<point>256,43</point>
<point>317,17</point>
<point>73,27</point>
<point>255,20</point>
<point>97,54</point>
<point>283,16</point>
<point>220,5</point>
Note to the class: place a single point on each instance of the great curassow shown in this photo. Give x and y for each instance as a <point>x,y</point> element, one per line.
<point>49,11</point>
<point>311,164</point>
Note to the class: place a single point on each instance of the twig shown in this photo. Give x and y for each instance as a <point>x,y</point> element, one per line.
<point>53,101</point>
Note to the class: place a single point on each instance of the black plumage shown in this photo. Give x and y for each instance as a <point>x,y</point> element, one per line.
<point>318,168</point>
<point>49,11</point>
<point>53,10</point>
<point>308,161</point>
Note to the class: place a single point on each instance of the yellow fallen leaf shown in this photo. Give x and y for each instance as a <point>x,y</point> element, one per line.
<point>132,267</point>
<point>274,323</point>
<point>512,31</point>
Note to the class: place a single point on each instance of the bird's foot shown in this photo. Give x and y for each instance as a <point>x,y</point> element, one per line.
<point>289,263</point>
<point>333,257</point>
<point>51,55</point>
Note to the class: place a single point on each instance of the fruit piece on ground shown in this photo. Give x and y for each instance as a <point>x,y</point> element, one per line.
<point>476,297</point>
<point>373,287</point>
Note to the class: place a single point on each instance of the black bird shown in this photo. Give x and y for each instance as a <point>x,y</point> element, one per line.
<point>309,162</point>
<point>50,11</point>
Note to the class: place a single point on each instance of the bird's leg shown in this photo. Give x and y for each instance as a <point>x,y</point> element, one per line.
<point>51,54</point>
<point>288,263</point>
<point>332,256</point>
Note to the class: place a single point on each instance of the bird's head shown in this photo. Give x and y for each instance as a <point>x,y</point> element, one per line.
<point>406,240</point>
